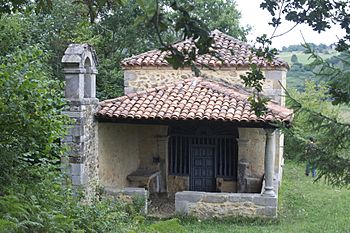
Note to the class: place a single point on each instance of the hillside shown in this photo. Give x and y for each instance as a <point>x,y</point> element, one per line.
<point>298,62</point>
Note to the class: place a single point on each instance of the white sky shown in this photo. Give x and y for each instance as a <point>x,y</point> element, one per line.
<point>258,19</point>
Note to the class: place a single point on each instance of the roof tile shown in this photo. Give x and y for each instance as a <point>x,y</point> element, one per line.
<point>230,52</point>
<point>191,99</point>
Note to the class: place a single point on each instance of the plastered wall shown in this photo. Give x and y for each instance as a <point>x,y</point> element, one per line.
<point>123,148</point>
<point>251,153</point>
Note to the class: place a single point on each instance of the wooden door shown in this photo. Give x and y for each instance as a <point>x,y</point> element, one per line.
<point>202,175</point>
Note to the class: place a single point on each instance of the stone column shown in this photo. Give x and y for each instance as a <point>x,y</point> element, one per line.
<point>79,63</point>
<point>269,162</point>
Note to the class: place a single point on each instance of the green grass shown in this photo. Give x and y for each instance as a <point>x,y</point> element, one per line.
<point>303,57</point>
<point>304,206</point>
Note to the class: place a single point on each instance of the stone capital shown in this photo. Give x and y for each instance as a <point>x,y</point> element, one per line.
<point>269,131</point>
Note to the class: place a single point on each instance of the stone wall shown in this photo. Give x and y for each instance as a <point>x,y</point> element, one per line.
<point>82,164</point>
<point>123,148</point>
<point>140,79</point>
<point>222,205</point>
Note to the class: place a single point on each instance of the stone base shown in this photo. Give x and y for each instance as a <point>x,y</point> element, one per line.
<point>127,194</point>
<point>221,205</point>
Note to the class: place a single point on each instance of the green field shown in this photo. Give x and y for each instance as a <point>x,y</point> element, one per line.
<point>304,206</point>
<point>296,77</point>
<point>303,57</point>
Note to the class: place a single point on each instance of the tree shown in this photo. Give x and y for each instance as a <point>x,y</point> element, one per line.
<point>333,134</point>
<point>116,42</point>
<point>30,117</point>
<point>221,15</point>
<point>294,59</point>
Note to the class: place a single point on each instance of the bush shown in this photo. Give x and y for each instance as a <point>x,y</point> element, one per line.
<point>30,119</point>
<point>48,206</point>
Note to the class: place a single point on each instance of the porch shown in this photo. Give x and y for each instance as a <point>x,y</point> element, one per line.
<point>189,158</point>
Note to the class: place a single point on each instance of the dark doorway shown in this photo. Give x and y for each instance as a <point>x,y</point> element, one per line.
<point>202,175</point>
<point>203,153</point>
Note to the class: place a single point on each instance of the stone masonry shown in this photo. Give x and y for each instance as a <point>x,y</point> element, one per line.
<point>140,79</point>
<point>79,62</point>
<point>222,205</point>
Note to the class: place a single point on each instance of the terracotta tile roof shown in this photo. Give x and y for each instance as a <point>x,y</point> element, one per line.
<point>230,53</point>
<point>194,99</point>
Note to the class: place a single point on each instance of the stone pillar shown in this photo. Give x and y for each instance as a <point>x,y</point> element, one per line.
<point>269,162</point>
<point>79,62</point>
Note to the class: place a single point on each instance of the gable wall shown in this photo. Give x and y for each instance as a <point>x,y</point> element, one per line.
<point>144,78</point>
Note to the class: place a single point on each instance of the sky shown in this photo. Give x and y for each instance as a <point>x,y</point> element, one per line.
<point>258,19</point>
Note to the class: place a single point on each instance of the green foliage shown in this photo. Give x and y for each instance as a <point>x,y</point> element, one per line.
<point>114,42</point>
<point>13,33</point>
<point>48,206</point>
<point>67,23</point>
<point>30,119</point>
<point>7,226</point>
<point>11,6</point>
<point>221,15</point>
<point>315,116</point>
<point>255,78</point>
<point>311,99</point>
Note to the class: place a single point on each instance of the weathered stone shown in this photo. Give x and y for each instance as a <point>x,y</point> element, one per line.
<point>181,207</point>
<point>270,212</point>
<point>214,198</point>
<point>77,169</point>
<point>79,67</point>
<point>90,86</point>
<point>140,192</point>
<point>266,201</point>
<point>74,86</point>
<point>189,196</point>
<point>275,74</point>
<point>79,180</point>
<point>67,139</point>
<point>75,114</point>
<point>76,159</point>
<point>211,205</point>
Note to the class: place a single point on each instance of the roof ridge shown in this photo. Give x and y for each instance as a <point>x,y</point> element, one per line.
<point>229,37</point>
<point>232,53</point>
